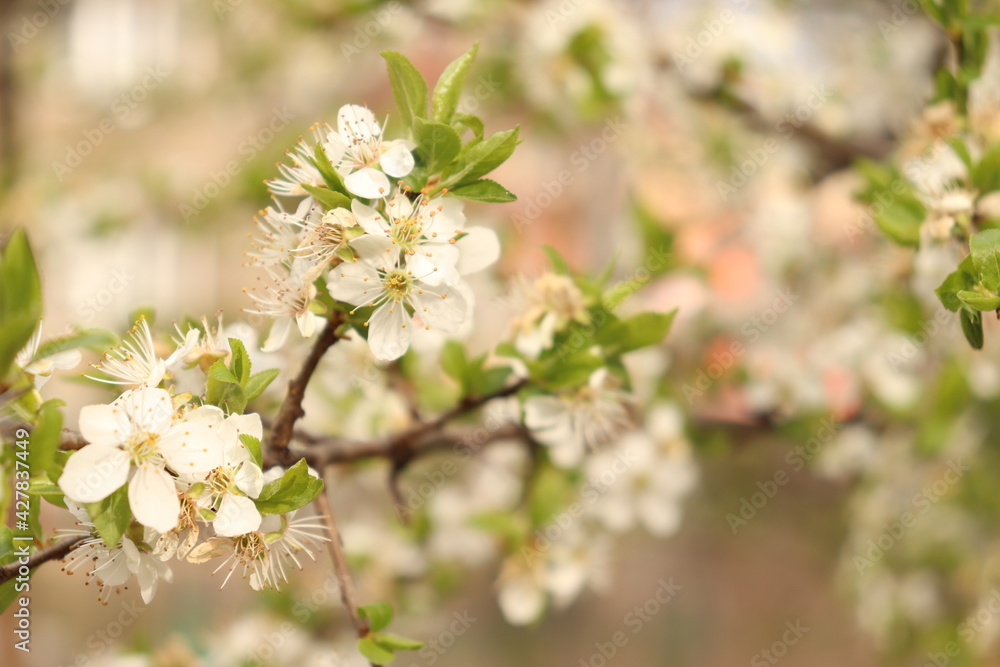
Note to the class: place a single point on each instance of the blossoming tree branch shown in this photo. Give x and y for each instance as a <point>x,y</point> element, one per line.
<point>367,246</point>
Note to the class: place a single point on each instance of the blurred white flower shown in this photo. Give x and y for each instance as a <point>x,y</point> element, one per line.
<point>43,368</point>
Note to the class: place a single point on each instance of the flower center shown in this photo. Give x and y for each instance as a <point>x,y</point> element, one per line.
<point>142,449</point>
<point>406,232</point>
<point>220,481</point>
<point>398,284</point>
<point>250,547</point>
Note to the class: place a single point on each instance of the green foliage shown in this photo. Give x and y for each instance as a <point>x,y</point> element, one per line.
<point>448,89</point>
<point>20,297</point>
<point>380,647</point>
<point>330,199</point>
<point>111,516</point>
<point>231,386</point>
<point>294,489</point>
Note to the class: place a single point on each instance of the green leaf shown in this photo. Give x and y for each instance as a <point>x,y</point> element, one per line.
<point>327,197</point>
<point>484,190</point>
<point>295,489</point>
<point>375,654</point>
<point>44,487</point>
<point>972,327</point>
<point>8,593</point>
<point>111,516</point>
<point>240,363</point>
<point>449,86</point>
<point>559,264</point>
<point>92,339</point>
<point>378,614</point>
<point>408,87</point>
<point>437,144</point>
<point>45,438</point>
<point>453,361</point>
<point>396,643</point>
<point>507,525</point>
<point>477,160</point>
<point>253,446</point>
<point>979,301</point>
<point>6,545</point>
<point>957,281</point>
<point>257,383</point>
<point>986,175</point>
<point>20,297</point>
<point>219,371</point>
<point>901,220</point>
<point>636,332</point>
<point>984,248</point>
<point>461,121</point>
<point>326,170</point>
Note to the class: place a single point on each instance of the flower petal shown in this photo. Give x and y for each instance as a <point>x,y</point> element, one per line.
<point>103,424</point>
<point>94,473</point>
<point>356,283</point>
<point>389,331</point>
<point>368,183</point>
<point>357,122</point>
<point>153,499</point>
<point>190,447</point>
<point>370,220</point>
<point>278,334</point>
<point>521,600</point>
<point>444,309</point>
<point>397,161</point>
<point>237,515</point>
<point>478,249</point>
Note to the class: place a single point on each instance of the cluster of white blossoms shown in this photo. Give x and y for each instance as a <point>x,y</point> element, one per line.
<point>183,468</point>
<point>400,253</point>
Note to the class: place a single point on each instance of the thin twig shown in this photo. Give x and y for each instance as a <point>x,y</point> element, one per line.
<point>54,552</point>
<point>346,583</point>
<point>291,409</point>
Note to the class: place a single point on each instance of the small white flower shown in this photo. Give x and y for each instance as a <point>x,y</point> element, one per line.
<point>556,571</point>
<point>230,488</point>
<point>570,424</point>
<point>136,362</point>
<point>280,233</point>
<point>43,368</point>
<point>431,232</point>
<point>547,305</point>
<point>379,281</point>
<point>301,172</point>
<point>356,148</point>
<point>135,440</point>
<point>112,566</point>
<point>287,299</point>
<point>648,490</point>
<point>325,236</point>
<point>264,553</point>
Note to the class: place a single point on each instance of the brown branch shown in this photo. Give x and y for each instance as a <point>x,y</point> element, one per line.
<point>54,552</point>
<point>340,569</point>
<point>291,409</point>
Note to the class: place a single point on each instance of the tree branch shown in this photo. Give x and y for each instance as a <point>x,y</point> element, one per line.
<point>55,552</point>
<point>291,409</point>
<point>340,569</point>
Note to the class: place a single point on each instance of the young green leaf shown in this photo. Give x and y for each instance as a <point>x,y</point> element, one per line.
<point>328,198</point>
<point>979,301</point>
<point>326,170</point>
<point>448,89</point>
<point>984,248</point>
<point>957,281</point>
<point>374,653</point>
<point>484,190</point>
<point>408,87</point>
<point>294,489</point>
<point>240,363</point>
<point>20,297</point>
<point>45,438</point>
<point>477,160</point>
<point>253,446</point>
<point>972,327</point>
<point>437,144</point>
<point>258,382</point>
<point>378,614</point>
<point>396,643</point>
<point>636,332</point>
<point>111,516</point>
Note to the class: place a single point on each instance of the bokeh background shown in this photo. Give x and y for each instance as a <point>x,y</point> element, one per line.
<point>135,137</point>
